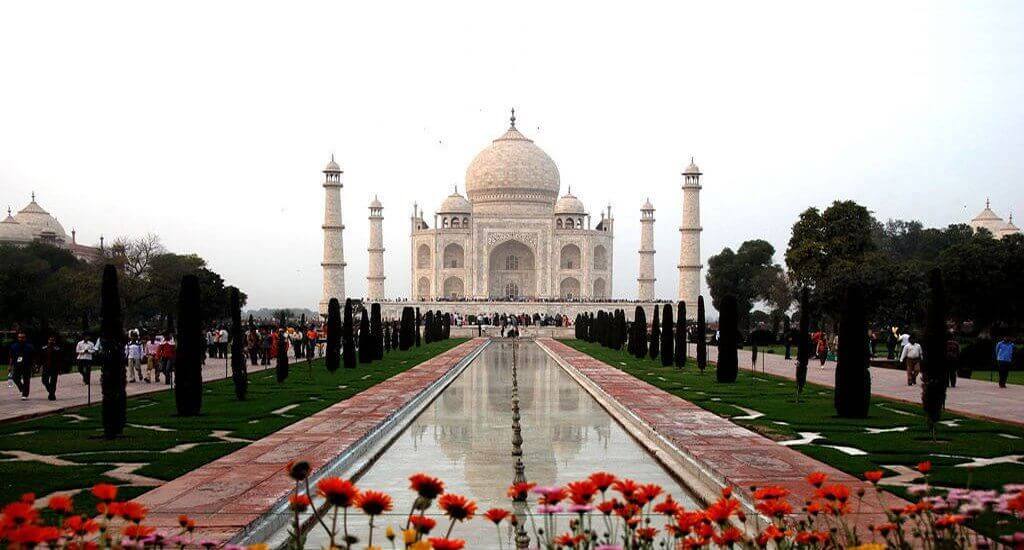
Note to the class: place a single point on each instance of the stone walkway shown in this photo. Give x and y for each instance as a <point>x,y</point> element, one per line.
<point>72,393</point>
<point>978,398</point>
<point>231,492</point>
<point>736,455</point>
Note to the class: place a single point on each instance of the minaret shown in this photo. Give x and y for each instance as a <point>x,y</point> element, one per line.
<point>689,237</point>
<point>334,249</point>
<point>375,272</point>
<point>645,280</point>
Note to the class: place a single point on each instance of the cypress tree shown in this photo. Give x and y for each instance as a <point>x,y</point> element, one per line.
<point>387,337</point>
<point>728,361</point>
<point>640,333</point>
<point>702,336</point>
<point>934,368</point>
<point>655,335</point>
<point>405,336</point>
<point>282,357</point>
<point>115,401</point>
<point>366,352</point>
<point>239,374</point>
<point>348,345</point>
<point>680,344</point>
<point>376,332</point>
<point>428,327</point>
<point>333,359</point>
<point>447,326</point>
<point>416,333</point>
<point>623,329</point>
<point>188,361</point>
<point>803,341</point>
<point>667,337</point>
<point>576,326</point>
<point>853,382</point>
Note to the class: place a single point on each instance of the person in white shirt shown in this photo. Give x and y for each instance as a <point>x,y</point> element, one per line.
<point>911,358</point>
<point>83,357</point>
<point>222,343</point>
<point>133,351</point>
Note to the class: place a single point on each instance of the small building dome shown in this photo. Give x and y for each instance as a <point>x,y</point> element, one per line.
<point>692,169</point>
<point>43,226</point>
<point>569,204</point>
<point>1009,229</point>
<point>987,219</point>
<point>647,205</point>
<point>455,204</point>
<point>13,232</point>
<point>332,166</point>
<point>375,203</point>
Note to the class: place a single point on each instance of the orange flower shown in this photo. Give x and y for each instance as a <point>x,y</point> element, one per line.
<point>497,515</point>
<point>133,511</point>
<point>885,528</point>
<point>646,493</point>
<point>105,492</point>
<point>457,507</point>
<point>299,503</point>
<point>447,544</point>
<point>924,467</point>
<point>646,533</point>
<point>374,503</point>
<point>816,478</point>
<point>608,506</point>
<point>183,520</point>
<point>626,487</point>
<point>568,540</point>
<point>774,508</point>
<point>602,480</point>
<point>836,493</point>
<point>728,537</point>
<point>61,504</point>
<point>80,526</point>
<point>427,487</point>
<point>423,524</point>
<point>771,534</point>
<point>686,521</point>
<point>722,510</point>
<point>519,491</point>
<point>136,531</point>
<point>582,492</point>
<point>338,492</point>
<point>771,492</point>
<point>668,507</point>
<point>873,476</point>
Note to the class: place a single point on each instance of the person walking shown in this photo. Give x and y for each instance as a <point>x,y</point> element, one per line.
<point>133,351</point>
<point>952,359</point>
<point>21,356</point>
<point>152,361</point>
<point>51,362</point>
<point>223,339</point>
<point>252,345</point>
<point>1004,358</point>
<point>821,348</point>
<point>266,341</point>
<point>83,356</point>
<point>166,355</point>
<point>911,358</point>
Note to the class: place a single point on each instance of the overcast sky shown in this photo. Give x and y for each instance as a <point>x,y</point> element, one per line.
<point>208,123</point>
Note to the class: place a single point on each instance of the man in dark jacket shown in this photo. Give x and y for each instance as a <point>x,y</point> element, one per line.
<point>50,358</point>
<point>22,353</point>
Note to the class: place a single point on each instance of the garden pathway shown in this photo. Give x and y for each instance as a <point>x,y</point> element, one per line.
<point>978,398</point>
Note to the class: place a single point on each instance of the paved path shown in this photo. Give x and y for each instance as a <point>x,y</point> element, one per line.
<point>979,398</point>
<point>72,393</point>
<point>734,455</point>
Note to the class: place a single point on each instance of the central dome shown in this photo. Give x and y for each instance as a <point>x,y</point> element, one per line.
<point>512,171</point>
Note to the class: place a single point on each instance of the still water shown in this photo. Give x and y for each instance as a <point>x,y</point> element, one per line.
<point>464,437</point>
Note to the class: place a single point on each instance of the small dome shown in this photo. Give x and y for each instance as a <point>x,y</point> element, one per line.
<point>512,171</point>
<point>332,166</point>
<point>569,204</point>
<point>647,205</point>
<point>375,203</point>
<point>41,223</point>
<point>987,219</point>
<point>692,169</point>
<point>13,232</point>
<point>455,204</point>
<point>1009,228</point>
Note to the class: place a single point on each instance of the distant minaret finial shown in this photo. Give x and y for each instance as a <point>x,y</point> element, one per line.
<point>986,202</point>
<point>33,196</point>
<point>513,119</point>
<point>8,210</point>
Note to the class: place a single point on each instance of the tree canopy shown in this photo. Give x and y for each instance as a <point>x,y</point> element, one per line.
<point>750,276</point>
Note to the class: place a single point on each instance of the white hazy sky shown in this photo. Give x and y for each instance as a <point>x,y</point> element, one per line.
<point>208,122</point>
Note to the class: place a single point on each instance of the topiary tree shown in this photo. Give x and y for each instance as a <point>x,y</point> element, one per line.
<point>728,360</point>
<point>366,352</point>
<point>376,332</point>
<point>803,341</point>
<point>348,344</point>
<point>239,374</point>
<point>115,401</point>
<point>405,331</point>
<point>620,329</point>
<point>447,327</point>
<point>188,361</point>
<point>640,322</point>
<point>577,325</point>
<point>428,327</point>
<point>934,368</point>
<point>419,323</point>
<point>667,337</point>
<point>702,336</point>
<point>282,368</point>
<point>655,339</point>
<point>853,382</point>
<point>680,343</point>
<point>333,359</point>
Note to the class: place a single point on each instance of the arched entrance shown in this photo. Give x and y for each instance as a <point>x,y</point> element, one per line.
<point>453,288</point>
<point>511,271</point>
<point>569,289</point>
<point>599,290</point>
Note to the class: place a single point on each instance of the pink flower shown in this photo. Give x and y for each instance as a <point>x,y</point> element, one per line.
<point>548,509</point>
<point>580,508</point>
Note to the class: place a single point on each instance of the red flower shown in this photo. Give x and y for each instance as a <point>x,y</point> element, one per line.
<point>602,480</point>
<point>686,521</point>
<point>80,526</point>
<point>105,492</point>
<point>924,467</point>
<point>771,492</point>
<point>298,469</point>
<point>949,520</point>
<point>668,507</point>
<point>427,487</point>
<point>183,520</point>
<point>447,544</point>
<point>423,524</point>
<point>722,510</point>
<point>646,493</point>
<point>136,531</point>
<point>774,508</point>
<point>19,513</point>
<point>338,492</point>
<point>873,475</point>
<point>626,487</point>
<point>457,507</point>
<point>816,478</point>
<point>28,498</point>
<point>835,493</point>
<point>582,492</point>
<point>646,533</point>
<point>61,504</point>
<point>299,503</point>
<point>728,537</point>
<point>374,503</point>
<point>885,528</point>
<point>497,515</point>
<point>568,540</point>
<point>608,506</point>
<point>519,491</point>
<point>771,534</point>
<point>133,511</point>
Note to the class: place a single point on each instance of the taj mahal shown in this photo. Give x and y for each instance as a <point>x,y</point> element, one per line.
<point>513,237</point>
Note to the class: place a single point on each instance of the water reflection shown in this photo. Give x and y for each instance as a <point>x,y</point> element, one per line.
<point>464,437</point>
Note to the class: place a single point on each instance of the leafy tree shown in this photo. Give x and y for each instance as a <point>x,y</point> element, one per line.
<point>748,275</point>
<point>188,360</point>
<point>366,352</point>
<point>803,341</point>
<point>728,361</point>
<point>853,381</point>
<point>333,358</point>
<point>667,337</point>
<point>702,336</point>
<point>348,345</point>
<point>115,401</point>
<point>934,368</point>
<point>239,373</point>
<point>655,335</point>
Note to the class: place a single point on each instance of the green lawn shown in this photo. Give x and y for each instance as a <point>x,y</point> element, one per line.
<point>784,417</point>
<point>78,441</point>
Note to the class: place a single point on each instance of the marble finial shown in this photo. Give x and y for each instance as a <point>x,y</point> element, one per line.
<point>513,119</point>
